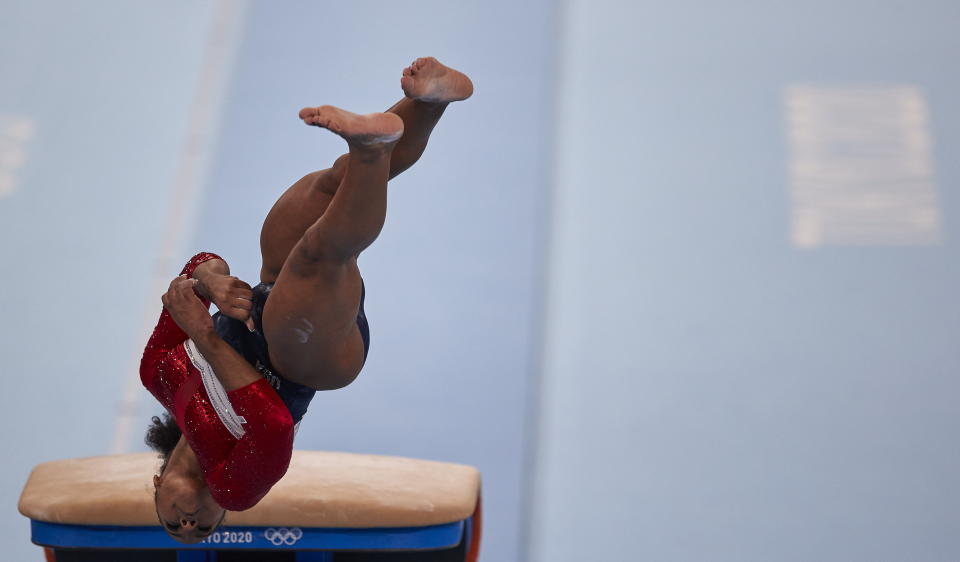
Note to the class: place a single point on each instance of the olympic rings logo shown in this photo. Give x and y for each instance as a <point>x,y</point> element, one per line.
<point>283,536</point>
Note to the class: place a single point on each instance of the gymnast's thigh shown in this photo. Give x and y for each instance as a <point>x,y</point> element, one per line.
<point>294,212</point>
<point>310,321</point>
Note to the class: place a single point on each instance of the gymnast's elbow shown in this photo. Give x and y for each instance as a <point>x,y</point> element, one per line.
<point>243,491</point>
<point>233,501</point>
<point>148,366</point>
<point>279,424</point>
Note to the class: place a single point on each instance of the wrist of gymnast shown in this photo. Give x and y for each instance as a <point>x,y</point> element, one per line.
<point>207,271</point>
<point>206,338</point>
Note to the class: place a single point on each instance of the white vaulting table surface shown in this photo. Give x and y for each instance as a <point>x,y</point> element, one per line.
<point>321,489</point>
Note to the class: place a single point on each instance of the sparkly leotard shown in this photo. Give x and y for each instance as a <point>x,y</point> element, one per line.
<point>243,438</point>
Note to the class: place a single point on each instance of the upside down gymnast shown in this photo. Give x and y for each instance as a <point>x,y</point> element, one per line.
<point>235,384</point>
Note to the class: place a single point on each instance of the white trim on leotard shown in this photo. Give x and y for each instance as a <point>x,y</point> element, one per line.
<point>216,392</point>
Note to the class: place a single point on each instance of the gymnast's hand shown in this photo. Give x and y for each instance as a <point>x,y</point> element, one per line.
<point>232,296</point>
<point>186,308</point>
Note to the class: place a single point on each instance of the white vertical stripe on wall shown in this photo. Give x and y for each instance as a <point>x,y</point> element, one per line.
<point>95,99</point>
<point>216,59</point>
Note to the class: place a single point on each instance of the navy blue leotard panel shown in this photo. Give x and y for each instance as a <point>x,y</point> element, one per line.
<point>253,347</point>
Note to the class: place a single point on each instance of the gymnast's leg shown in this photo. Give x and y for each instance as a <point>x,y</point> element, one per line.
<point>310,319</point>
<point>429,87</point>
<point>313,235</point>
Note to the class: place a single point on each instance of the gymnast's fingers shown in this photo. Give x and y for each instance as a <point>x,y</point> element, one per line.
<point>183,284</point>
<point>183,289</point>
<point>173,283</point>
<point>242,314</point>
<point>173,292</point>
<point>240,290</point>
<point>242,304</point>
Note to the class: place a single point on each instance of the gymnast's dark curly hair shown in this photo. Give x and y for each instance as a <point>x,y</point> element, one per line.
<point>162,437</point>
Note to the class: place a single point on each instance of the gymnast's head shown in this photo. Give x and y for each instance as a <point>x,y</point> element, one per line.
<point>184,505</point>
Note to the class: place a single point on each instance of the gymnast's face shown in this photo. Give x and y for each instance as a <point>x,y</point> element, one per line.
<point>186,510</point>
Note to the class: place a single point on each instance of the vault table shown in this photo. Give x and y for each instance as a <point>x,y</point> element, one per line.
<point>331,507</point>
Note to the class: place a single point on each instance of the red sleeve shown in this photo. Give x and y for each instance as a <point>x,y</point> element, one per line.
<point>167,335</point>
<point>261,457</point>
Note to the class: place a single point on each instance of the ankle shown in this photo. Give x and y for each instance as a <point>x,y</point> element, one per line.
<point>369,153</point>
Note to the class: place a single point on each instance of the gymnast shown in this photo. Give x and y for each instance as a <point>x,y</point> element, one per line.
<point>235,384</point>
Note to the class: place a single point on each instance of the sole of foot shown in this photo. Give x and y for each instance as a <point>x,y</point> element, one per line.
<point>427,79</point>
<point>370,130</point>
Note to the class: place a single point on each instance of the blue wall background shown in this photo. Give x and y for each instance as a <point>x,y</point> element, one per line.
<point>710,391</point>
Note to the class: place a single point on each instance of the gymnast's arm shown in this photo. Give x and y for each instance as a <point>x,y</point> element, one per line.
<point>232,296</point>
<point>168,335</point>
<point>230,367</point>
<point>261,456</point>
<point>192,316</point>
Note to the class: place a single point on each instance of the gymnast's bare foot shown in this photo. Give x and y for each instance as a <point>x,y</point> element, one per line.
<point>430,81</point>
<point>370,131</point>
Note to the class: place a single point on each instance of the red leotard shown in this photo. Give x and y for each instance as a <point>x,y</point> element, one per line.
<point>241,457</point>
